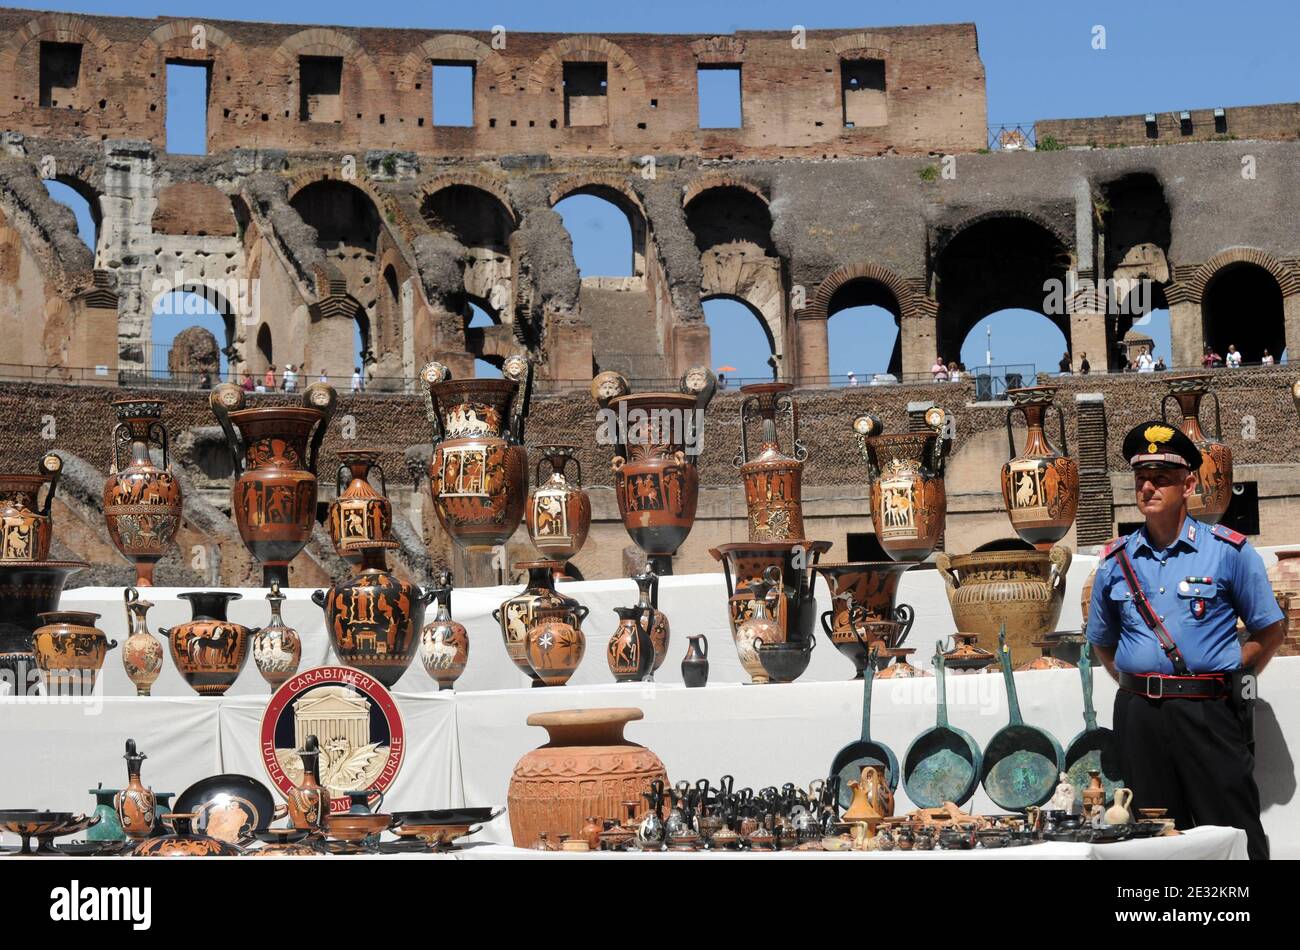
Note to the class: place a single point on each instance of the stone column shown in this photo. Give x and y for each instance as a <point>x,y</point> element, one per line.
<point>813,348</point>
<point>920,336</point>
<point>691,347</point>
<point>1088,335</point>
<point>1187,333</point>
<point>1291,312</point>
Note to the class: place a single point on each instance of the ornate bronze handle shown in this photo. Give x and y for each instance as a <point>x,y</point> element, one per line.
<point>225,399</point>
<point>320,396</point>
<point>944,564</point>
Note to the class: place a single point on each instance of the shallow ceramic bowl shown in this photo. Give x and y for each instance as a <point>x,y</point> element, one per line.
<point>356,828</point>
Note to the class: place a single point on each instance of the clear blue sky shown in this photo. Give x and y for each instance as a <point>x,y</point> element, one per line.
<point>1040,63</point>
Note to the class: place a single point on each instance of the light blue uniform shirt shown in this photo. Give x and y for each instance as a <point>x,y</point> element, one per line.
<point>1198,586</point>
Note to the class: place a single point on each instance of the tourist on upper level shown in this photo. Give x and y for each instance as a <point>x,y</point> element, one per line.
<point>722,380</point>
<point>359,384</point>
<point>853,380</point>
<point>1160,365</point>
<point>1084,366</point>
<point>954,372</point>
<point>1211,359</point>
<point>268,381</point>
<point>290,380</point>
<point>247,383</point>
<point>1064,365</point>
<point>939,370</point>
<point>1234,357</point>
<point>1121,357</point>
<point>1266,359</point>
<point>1145,363</point>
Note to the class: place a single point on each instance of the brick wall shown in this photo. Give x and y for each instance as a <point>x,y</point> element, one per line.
<point>1279,121</point>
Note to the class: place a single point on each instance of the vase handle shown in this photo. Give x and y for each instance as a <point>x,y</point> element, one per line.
<point>318,598</point>
<point>322,397</point>
<point>340,479</point>
<point>944,565</point>
<point>225,399</point>
<point>1061,557</point>
<point>1011,439</point>
<point>1218,423</point>
<point>1060,415</point>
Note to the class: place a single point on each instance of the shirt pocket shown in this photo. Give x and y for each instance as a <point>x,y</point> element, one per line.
<point>1122,603</point>
<point>1200,599</point>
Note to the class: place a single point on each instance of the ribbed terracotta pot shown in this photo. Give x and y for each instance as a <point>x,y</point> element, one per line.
<point>587,768</point>
<point>1022,589</point>
<point>1214,478</point>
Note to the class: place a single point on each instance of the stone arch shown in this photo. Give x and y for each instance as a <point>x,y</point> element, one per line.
<point>619,193</point>
<point>944,235</point>
<point>544,73</point>
<point>818,308</point>
<point>454,47</point>
<point>1191,289</point>
<point>383,204</point>
<point>483,183</point>
<point>174,40</point>
<point>321,41</point>
<point>874,44</point>
<point>713,180</point>
<point>719,49</point>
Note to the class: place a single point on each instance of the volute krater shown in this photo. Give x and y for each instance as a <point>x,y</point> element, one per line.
<point>1040,486</point>
<point>1214,478</point>
<point>908,499</point>
<point>478,475</point>
<point>275,451</point>
<point>25,524</point>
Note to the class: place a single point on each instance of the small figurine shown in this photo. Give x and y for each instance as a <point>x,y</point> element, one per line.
<point>1063,800</point>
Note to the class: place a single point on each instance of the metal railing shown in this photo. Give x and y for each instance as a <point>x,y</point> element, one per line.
<point>1012,137</point>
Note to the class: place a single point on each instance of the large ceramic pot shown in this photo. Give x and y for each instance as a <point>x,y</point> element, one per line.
<point>70,651</point>
<point>142,652</point>
<point>478,475</point>
<point>630,652</point>
<point>277,648</point>
<point>444,643</point>
<point>556,644</point>
<point>587,768</point>
<point>25,525</point>
<point>788,566</point>
<point>360,518</point>
<point>1214,482</point>
<point>142,501</point>
<point>863,611</point>
<point>275,451</point>
<point>559,512</point>
<point>1040,486</point>
<point>757,628</point>
<point>209,651</point>
<point>773,480</point>
<point>373,620</point>
<point>908,500</point>
<point>516,614</point>
<point>27,590</point>
<point>1022,589</point>
<point>658,438</point>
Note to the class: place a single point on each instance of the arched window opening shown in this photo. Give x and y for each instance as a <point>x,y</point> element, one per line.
<point>727,215</point>
<point>862,333</point>
<point>742,344</point>
<point>602,235</point>
<point>190,332</point>
<point>1242,307</point>
<point>1016,343</point>
<point>265,349</point>
<point>86,209</point>
<point>478,324</point>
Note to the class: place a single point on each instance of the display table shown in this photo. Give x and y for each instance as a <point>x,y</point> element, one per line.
<point>464,744</point>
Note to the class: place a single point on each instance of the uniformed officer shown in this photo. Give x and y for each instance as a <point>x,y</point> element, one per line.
<point>1163,619</point>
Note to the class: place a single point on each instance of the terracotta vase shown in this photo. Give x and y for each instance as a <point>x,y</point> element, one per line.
<point>142,652</point>
<point>27,590</point>
<point>25,523</point>
<point>863,611</point>
<point>360,518</point>
<point>655,477</point>
<point>773,480</point>
<point>70,651</point>
<point>209,651</point>
<point>275,451</point>
<point>555,643</point>
<point>308,801</point>
<point>184,842</point>
<point>587,768</point>
<point>630,652</point>
<point>908,500</point>
<point>695,665</point>
<point>1214,483</point>
<point>478,475</point>
<point>1040,486</point>
<point>1022,589</point>
<point>966,655</point>
<point>559,512</point>
<point>758,625</point>
<point>142,501</point>
<point>277,648</point>
<point>135,805</point>
<point>373,619</point>
<point>516,614</point>
<point>647,583</point>
<point>747,562</point>
<point>444,643</point>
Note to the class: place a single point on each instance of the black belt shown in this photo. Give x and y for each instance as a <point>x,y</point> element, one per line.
<point>1160,686</point>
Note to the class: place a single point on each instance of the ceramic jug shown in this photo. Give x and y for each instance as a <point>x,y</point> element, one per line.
<point>1119,813</point>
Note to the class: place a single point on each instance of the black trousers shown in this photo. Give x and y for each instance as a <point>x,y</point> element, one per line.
<point>1191,757</point>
